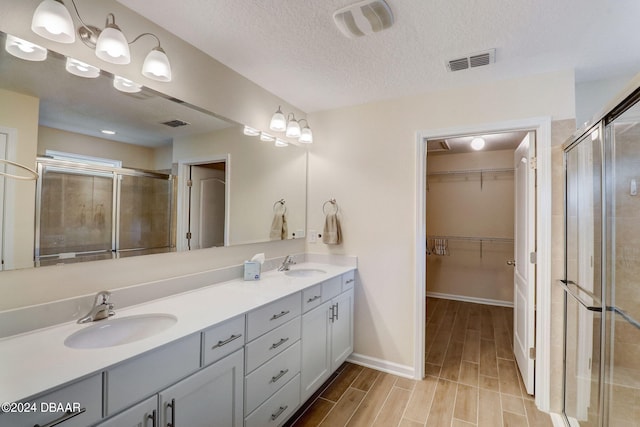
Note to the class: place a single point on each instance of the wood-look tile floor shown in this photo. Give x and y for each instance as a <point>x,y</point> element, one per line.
<point>472,380</point>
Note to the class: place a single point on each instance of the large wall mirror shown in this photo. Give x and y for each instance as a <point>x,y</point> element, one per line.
<point>166,176</point>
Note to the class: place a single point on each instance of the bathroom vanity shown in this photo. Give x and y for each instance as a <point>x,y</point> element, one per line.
<point>240,353</point>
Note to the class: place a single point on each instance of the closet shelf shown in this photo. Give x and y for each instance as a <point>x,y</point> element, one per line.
<point>481,240</point>
<point>480,172</point>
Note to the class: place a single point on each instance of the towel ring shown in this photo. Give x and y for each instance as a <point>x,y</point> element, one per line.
<point>33,175</point>
<point>282,203</point>
<point>333,202</point>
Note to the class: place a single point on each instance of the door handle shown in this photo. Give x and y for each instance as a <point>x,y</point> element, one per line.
<point>565,285</point>
<point>511,262</point>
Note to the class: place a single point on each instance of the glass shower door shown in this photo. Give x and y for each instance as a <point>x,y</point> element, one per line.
<point>582,284</point>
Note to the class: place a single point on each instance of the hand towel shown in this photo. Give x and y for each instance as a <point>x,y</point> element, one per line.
<point>279,230</point>
<point>332,234</point>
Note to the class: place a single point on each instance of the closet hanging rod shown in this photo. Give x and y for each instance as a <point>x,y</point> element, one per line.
<point>474,239</point>
<point>470,171</point>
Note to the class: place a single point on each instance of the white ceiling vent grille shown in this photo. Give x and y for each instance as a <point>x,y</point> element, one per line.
<point>363,18</point>
<point>175,123</point>
<point>474,60</point>
<point>436,145</point>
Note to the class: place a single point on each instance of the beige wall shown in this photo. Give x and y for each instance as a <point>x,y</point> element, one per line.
<point>20,112</point>
<point>458,206</point>
<point>365,157</point>
<point>132,156</point>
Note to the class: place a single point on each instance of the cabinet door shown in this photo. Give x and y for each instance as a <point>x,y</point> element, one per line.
<point>210,397</point>
<point>144,414</point>
<point>316,356</point>
<point>341,329</point>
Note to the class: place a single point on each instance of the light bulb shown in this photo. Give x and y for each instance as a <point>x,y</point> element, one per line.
<point>477,143</point>
<point>112,46</point>
<point>126,85</point>
<point>306,137</point>
<point>52,21</point>
<point>156,66</point>
<point>81,69</point>
<point>293,129</point>
<point>278,122</point>
<point>24,50</point>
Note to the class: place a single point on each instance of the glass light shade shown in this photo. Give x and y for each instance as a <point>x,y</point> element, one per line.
<point>52,21</point>
<point>24,50</point>
<point>477,143</point>
<point>126,85</point>
<point>156,66</point>
<point>281,143</point>
<point>249,131</point>
<point>112,46</point>
<point>278,122</point>
<point>265,137</point>
<point>81,69</point>
<point>293,129</point>
<point>306,136</point>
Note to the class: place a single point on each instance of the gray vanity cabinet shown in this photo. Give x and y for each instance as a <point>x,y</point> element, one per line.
<point>144,414</point>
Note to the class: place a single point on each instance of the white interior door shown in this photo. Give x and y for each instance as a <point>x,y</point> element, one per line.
<point>3,155</point>
<point>207,209</point>
<point>524,269</point>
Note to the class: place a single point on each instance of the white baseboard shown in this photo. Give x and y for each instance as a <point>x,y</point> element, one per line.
<point>382,365</point>
<point>485,301</point>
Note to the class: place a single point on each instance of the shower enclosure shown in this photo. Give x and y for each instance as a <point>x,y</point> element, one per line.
<point>89,212</point>
<point>602,271</point>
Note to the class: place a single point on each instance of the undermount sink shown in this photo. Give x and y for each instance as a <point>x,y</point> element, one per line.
<point>304,272</point>
<point>124,330</point>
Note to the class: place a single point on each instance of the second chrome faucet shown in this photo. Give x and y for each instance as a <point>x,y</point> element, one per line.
<point>102,308</point>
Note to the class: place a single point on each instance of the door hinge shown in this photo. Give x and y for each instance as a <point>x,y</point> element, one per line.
<point>189,183</point>
<point>534,163</point>
<point>189,235</point>
<point>532,353</point>
<point>533,257</point>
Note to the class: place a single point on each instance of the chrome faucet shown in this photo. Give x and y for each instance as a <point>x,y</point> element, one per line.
<point>102,308</point>
<point>288,261</point>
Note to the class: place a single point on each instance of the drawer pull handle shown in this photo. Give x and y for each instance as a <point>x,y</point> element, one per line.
<point>336,311</point>
<point>67,416</point>
<point>277,316</point>
<point>279,343</point>
<point>333,313</point>
<point>278,412</point>
<point>172,405</point>
<point>313,298</point>
<point>349,281</point>
<point>280,375</point>
<point>227,341</point>
<point>154,417</point>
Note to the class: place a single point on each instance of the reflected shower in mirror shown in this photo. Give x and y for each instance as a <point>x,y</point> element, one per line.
<point>54,111</point>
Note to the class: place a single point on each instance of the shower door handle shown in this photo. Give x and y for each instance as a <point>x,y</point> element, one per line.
<point>565,285</point>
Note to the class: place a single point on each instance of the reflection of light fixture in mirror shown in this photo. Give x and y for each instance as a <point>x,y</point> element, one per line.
<point>278,121</point>
<point>306,137</point>
<point>477,143</point>
<point>52,21</point>
<point>265,137</point>
<point>293,127</point>
<point>281,143</point>
<point>249,131</point>
<point>108,132</point>
<point>24,50</point>
<point>126,85</point>
<point>82,69</point>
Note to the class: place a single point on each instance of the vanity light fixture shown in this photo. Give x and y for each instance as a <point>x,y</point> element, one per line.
<point>24,50</point>
<point>281,143</point>
<point>291,126</point>
<point>52,21</point>
<point>477,143</point>
<point>265,137</point>
<point>249,131</point>
<point>81,69</point>
<point>126,85</point>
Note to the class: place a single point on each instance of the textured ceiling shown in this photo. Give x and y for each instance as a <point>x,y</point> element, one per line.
<point>294,50</point>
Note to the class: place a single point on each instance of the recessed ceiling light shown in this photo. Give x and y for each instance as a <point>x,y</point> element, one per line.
<point>477,143</point>
<point>108,132</point>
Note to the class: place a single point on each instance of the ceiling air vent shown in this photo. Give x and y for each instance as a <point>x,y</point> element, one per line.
<point>175,123</point>
<point>435,145</point>
<point>363,18</point>
<point>474,60</point>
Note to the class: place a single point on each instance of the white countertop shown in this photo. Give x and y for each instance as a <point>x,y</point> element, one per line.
<point>36,361</point>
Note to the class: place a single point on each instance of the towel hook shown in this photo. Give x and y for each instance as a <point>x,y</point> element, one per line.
<point>333,202</point>
<point>282,203</point>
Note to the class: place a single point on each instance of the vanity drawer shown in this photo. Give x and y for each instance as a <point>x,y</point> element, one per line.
<point>222,339</point>
<point>348,280</point>
<point>272,315</point>
<point>268,378</point>
<point>272,344</point>
<point>331,288</point>
<point>134,380</point>
<point>277,408</point>
<point>84,396</point>
<point>311,297</point>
